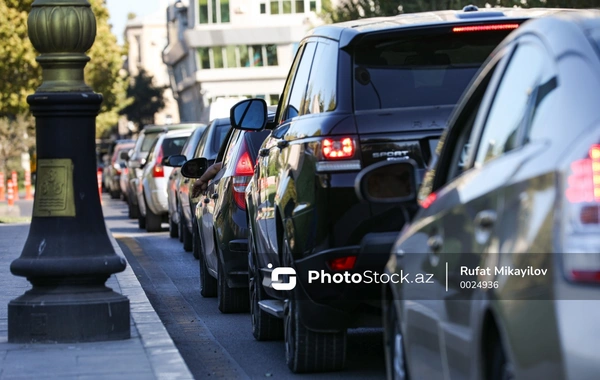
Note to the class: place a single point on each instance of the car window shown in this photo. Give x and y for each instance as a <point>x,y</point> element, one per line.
<point>152,150</point>
<point>192,142</point>
<point>220,135</point>
<point>232,146</point>
<point>419,69</point>
<point>509,110</point>
<point>288,83</point>
<point>148,141</point>
<point>202,143</point>
<point>321,94</point>
<point>300,83</point>
<point>173,145</point>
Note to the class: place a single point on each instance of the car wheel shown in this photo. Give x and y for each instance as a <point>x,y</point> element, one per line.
<point>394,346</point>
<point>230,300</point>
<point>187,239</point>
<point>310,351</point>
<point>499,368</point>
<point>153,221</point>
<point>180,224</point>
<point>133,210</point>
<point>264,325</point>
<point>196,247</point>
<point>173,228</point>
<point>208,284</point>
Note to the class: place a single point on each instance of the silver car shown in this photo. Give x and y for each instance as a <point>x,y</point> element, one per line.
<point>152,188</point>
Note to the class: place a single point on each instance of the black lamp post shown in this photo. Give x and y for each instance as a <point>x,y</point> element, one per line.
<point>68,255</point>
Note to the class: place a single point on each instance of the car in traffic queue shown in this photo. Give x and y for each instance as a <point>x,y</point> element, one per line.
<point>152,189</point>
<point>137,158</point>
<point>208,148</point>
<point>507,233</point>
<point>222,229</point>
<point>118,163</point>
<point>175,180</point>
<point>358,93</point>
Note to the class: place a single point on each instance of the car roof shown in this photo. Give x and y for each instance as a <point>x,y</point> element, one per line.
<point>346,31</point>
<point>169,127</point>
<point>177,133</point>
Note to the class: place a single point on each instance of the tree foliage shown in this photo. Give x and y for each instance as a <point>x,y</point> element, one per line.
<point>147,98</point>
<point>16,136</point>
<point>21,74</point>
<point>354,9</point>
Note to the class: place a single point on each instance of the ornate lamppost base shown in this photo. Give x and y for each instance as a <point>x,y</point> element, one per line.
<point>66,314</point>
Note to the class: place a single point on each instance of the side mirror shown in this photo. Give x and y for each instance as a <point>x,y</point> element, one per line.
<point>388,182</point>
<point>124,156</point>
<point>249,115</point>
<point>194,168</point>
<point>176,160</point>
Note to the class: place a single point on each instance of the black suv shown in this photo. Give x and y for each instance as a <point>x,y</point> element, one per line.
<point>357,93</point>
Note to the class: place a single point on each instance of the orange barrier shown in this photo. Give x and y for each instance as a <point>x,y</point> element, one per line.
<point>2,195</point>
<point>28,194</point>
<point>10,193</point>
<point>15,182</point>
<point>99,177</point>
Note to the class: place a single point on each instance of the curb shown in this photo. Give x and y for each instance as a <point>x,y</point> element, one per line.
<point>162,353</point>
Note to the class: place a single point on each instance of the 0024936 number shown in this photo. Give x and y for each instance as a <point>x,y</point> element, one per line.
<point>479,284</point>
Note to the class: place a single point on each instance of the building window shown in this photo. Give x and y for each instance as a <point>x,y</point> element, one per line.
<point>274,98</point>
<point>204,57</point>
<point>219,57</point>
<point>287,6</point>
<point>213,11</point>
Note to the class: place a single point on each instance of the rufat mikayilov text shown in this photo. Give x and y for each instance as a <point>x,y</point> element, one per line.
<point>505,270</point>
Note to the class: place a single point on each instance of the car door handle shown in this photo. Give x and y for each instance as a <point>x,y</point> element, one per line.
<point>264,152</point>
<point>435,243</point>
<point>282,144</point>
<point>485,219</point>
<point>214,196</point>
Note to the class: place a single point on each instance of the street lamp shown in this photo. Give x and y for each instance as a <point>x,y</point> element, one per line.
<point>68,255</point>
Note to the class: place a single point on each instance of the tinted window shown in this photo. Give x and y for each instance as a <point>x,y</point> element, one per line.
<point>298,90</point>
<point>321,95</point>
<point>232,146</point>
<point>419,70</point>
<point>173,145</point>
<point>511,102</point>
<point>192,143</point>
<point>220,134</point>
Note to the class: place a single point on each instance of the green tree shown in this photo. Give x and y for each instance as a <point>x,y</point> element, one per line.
<point>16,136</point>
<point>21,74</point>
<point>147,98</point>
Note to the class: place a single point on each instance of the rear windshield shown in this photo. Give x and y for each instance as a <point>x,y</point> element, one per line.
<point>418,70</point>
<point>173,145</point>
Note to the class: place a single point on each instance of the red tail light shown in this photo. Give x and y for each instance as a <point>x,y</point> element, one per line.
<point>581,219</point>
<point>342,263</point>
<point>338,149</point>
<point>158,171</point>
<point>484,28</point>
<point>243,172</point>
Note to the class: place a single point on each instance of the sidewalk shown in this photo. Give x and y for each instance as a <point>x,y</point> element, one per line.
<point>149,354</point>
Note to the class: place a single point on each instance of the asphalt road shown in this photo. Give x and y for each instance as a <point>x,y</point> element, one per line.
<point>216,345</point>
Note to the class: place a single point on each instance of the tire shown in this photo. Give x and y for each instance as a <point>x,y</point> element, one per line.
<point>230,300</point>
<point>188,239</point>
<point>394,347</point>
<point>180,224</point>
<point>208,284</point>
<point>141,221</point>
<point>133,210</point>
<point>499,367</point>
<point>116,194</point>
<point>309,351</point>
<point>173,228</point>
<point>196,247</point>
<point>264,325</point>
<point>153,221</point>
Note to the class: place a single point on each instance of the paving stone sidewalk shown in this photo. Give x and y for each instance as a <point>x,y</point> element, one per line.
<point>149,354</point>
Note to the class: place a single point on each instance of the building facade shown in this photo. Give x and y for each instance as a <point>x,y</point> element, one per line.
<point>147,38</point>
<point>221,51</point>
